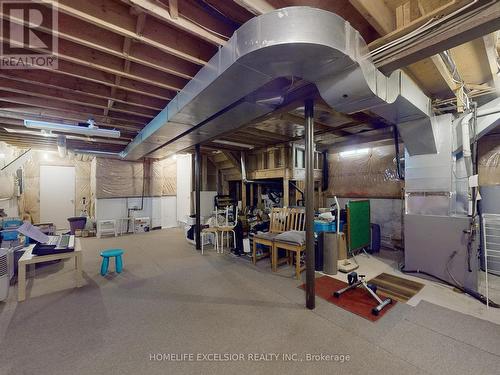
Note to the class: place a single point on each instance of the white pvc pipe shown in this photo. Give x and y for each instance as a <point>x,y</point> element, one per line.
<point>338,214</point>
<point>74,129</point>
<point>466,143</point>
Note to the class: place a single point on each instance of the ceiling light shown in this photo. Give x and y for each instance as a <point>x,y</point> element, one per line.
<point>46,156</point>
<point>75,137</point>
<point>230,143</point>
<point>75,129</point>
<point>356,152</point>
<point>2,156</point>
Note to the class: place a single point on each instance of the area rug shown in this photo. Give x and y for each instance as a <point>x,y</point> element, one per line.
<point>357,301</point>
<point>395,287</point>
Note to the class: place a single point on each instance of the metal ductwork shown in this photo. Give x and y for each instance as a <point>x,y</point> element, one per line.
<point>243,81</point>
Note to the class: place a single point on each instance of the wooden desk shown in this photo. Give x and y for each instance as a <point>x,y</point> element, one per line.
<point>29,259</point>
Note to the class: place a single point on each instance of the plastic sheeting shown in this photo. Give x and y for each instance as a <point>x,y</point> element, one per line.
<point>119,178</point>
<point>489,160</point>
<point>372,174</point>
<point>7,180</point>
<point>164,177</point>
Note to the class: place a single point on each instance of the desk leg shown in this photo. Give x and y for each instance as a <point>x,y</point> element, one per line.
<point>254,252</point>
<point>78,267</point>
<point>21,282</point>
<point>32,267</point>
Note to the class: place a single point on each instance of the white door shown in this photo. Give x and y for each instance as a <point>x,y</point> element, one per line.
<point>183,187</point>
<point>168,212</point>
<point>57,195</point>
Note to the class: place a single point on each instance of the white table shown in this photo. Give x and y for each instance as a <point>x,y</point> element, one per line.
<point>28,258</point>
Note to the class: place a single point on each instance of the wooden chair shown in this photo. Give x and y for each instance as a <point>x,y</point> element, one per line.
<point>277,225</point>
<point>295,221</point>
<point>227,229</point>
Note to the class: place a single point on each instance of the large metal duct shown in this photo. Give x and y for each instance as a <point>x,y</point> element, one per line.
<point>242,82</point>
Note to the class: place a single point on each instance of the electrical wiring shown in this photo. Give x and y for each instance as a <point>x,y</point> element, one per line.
<point>481,298</point>
<point>430,23</point>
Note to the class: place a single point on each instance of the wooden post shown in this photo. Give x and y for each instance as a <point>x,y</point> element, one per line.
<point>251,196</point>
<point>286,192</point>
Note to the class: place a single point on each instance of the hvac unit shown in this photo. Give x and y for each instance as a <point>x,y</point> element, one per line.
<point>4,275</point>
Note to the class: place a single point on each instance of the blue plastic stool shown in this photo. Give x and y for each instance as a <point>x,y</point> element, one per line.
<point>106,254</point>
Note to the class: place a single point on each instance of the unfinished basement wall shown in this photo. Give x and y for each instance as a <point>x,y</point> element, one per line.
<point>371,175</point>
<point>8,189</point>
<point>29,200</point>
<point>149,184</point>
<point>365,175</point>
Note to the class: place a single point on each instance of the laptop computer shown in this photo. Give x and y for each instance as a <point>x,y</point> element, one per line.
<point>47,245</point>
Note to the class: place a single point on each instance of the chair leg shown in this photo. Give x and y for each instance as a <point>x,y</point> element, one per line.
<point>254,252</point>
<point>118,264</point>
<point>297,265</point>
<point>274,258</point>
<point>202,240</point>
<point>234,239</point>
<point>104,266</point>
<point>216,235</point>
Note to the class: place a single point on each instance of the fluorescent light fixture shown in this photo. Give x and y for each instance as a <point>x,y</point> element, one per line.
<point>75,129</point>
<point>46,156</point>
<point>355,152</point>
<point>108,154</point>
<point>230,143</point>
<point>76,137</point>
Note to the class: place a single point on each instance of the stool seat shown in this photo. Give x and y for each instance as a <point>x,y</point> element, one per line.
<point>111,253</point>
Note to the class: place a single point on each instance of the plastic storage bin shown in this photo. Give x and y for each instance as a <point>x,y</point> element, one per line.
<point>77,223</point>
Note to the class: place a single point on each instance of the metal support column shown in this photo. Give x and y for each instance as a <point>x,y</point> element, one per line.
<point>197,188</point>
<point>309,204</point>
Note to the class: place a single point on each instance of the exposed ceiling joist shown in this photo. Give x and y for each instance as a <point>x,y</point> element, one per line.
<point>255,6</point>
<point>481,19</point>
<point>382,18</point>
<point>69,97</point>
<point>79,86</point>
<point>84,56</point>
<point>115,17</point>
<point>53,103</point>
<point>91,74</point>
<point>173,7</point>
<point>161,12</point>
<point>377,13</point>
<point>490,45</point>
<point>43,107</point>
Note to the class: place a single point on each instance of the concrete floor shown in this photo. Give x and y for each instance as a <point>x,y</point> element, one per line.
<point>172,300</point>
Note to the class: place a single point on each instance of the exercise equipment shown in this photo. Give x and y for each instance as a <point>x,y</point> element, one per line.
<point>354,280</point>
